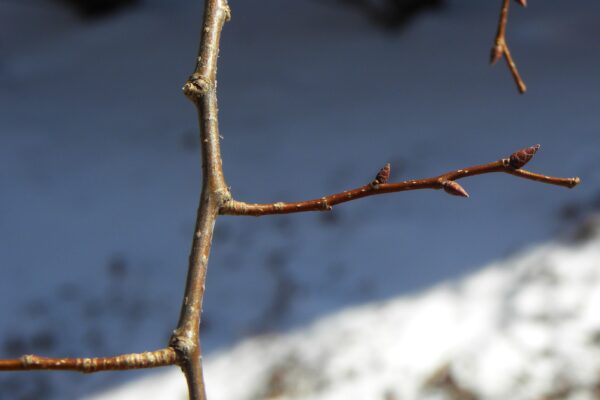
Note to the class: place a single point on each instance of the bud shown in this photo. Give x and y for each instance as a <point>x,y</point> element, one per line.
<point>497,53</point>
<point>453,188</point>
<point>383,175</point>
<point>523,3</point>
<point>518,159</point>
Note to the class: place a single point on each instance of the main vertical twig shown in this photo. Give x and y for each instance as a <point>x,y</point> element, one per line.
<point>200,88</point>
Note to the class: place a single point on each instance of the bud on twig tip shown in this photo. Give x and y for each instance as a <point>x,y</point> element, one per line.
<point>519,158</point>
<point>523,3</point>
<point>453,188</point>
<point>383,175</point>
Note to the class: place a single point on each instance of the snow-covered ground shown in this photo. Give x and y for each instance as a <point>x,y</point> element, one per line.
<point>99,176</point>
<point>527,328</point>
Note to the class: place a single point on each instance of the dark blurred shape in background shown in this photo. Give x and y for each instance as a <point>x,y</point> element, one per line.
<point>387,14</point>
<point>97,8</point>
<point>392,14</point>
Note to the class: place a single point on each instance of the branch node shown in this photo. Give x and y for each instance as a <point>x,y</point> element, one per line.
<point>28,360</point>
<point>324,205</point>
<point>197,86</point>
<point>227,11</point>
<point>223,196</point>
<point>183,346</point>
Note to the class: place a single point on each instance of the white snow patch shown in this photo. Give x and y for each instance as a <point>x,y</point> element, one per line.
<point>519,329</point>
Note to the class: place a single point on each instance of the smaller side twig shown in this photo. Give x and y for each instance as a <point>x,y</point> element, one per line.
<point>152,359</point>
<point>447,181</point>
<point>501,49</point>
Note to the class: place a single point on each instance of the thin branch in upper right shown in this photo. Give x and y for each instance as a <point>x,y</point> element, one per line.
<point>500,48</point>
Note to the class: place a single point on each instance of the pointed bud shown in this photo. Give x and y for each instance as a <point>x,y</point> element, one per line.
<point>453,188</point>
<point>383,175</point>
<point>497,53</point>
<point>518,159</point>
<point>523,3</point>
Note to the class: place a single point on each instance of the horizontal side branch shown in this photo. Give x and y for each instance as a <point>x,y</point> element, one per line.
<point>152,359</point>
<point>446,181</point>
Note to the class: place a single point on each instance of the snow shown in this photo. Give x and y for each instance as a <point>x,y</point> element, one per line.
<point>517,329</point>
<point>100,177</point>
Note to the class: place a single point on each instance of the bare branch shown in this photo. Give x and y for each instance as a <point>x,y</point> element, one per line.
<point>152,359</point>
<point>184,347</point>
<point>445,181</point>
<point>201,89</point>
<point>501,47</point>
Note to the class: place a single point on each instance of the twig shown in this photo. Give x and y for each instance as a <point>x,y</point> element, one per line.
<point>184,346</point>
<point>201,89</point>
<point>153,359</point>
<point>446,181</point>
<point>501,49</point>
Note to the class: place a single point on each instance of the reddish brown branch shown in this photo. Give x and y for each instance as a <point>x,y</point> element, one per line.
<point>501,49</point>
<point>152,359</point>
<point>445,181</point>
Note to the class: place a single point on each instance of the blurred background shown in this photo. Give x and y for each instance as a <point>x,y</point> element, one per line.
<point>408,296</point>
